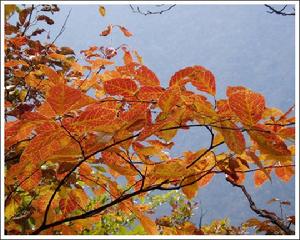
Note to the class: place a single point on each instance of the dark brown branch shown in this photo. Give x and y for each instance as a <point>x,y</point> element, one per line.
<point>280,124</point>
<point>99,184</point>
<point>98,210</point>
<point>204,153</point>
<point>257,169</point>
<point>63,28</point>
<point>279,12</point>
<point>148,12</point>
<point>61,183</point>
<point>262,213</point>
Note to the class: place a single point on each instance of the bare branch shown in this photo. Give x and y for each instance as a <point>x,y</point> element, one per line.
<point>261,212</point>
<point>63,28</point>
<point>137,9</point>
<point>279,12</point>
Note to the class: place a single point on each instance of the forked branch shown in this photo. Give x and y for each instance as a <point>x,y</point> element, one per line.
<point>261,212</point>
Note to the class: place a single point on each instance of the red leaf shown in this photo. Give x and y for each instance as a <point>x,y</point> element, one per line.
<point>106,31</point>
<point>149,93</point>
<point>120,86</point>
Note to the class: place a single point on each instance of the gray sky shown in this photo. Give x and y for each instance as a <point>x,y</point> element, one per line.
<point>240,44</point>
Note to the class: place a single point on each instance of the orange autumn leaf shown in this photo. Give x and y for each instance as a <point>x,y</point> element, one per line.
<point>141,73</point>
<point>63,99</point>
<point>285,173</point>
<point>98,117</point>
<point>120,86</point>
<point>14,63</point>
<point>247,105</point>
<point>30,177</point>
<point>198,76</point>
<point>259,163</point>
<point>205,180</point>
<point>149,93</point>
<point>191,189</point>
<point>260,177</point>
<point>268,141</point>
<point>233,136</point>
<point>147,223</point>
<point>125,31</point>
<point>169,99</point>
<point>127,58</point>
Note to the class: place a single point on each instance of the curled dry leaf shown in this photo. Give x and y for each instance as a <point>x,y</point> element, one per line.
<point>106,31</point>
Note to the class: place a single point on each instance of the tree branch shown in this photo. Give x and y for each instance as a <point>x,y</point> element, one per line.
<point>261,212</point>
<point>148,12</point>
<point>63,28</point>
<point>279,12</point>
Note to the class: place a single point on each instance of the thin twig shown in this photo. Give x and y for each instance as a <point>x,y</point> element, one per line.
<point>63,28</point>
<point>148,12</point>
<point>279,12</point>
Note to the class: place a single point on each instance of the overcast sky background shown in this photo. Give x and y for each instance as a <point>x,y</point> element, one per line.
<point>240,44</point>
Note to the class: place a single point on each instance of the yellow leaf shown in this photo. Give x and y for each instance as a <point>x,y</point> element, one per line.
<point>9,10</point>
<point>102,11</point>
<point>190,190</point>
<point>11,209</point>
<point>139,58</point>
<point>23,95</point>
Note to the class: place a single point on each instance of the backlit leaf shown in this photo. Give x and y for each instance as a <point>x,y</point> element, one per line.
<point>198,76</point>
<point>127,58</point>
<point>268,141</point>
<point>139,72</point>
<point>63,99</point>
<point>11,209</point>
<point>233,137</point>
<point>120,86</point>
<point>257,161</point>
<point>30,177</point>
<point>14,63</point>
<point>150,93</point>
<point>169,99</point>
<point>191,189</point>
<point>285,173</point>
<point>148,224</point>
<point>247,105</point>
<point>260,177</point>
